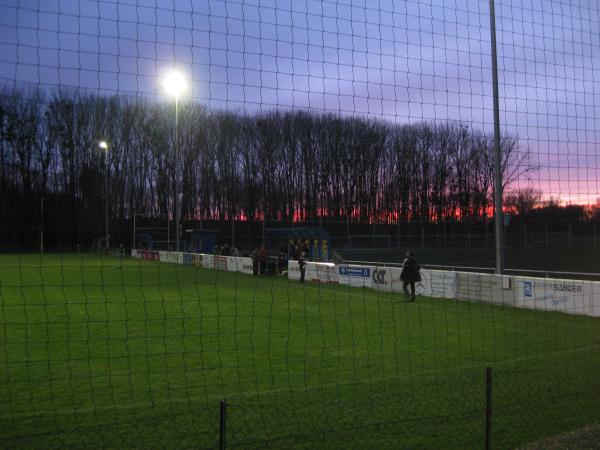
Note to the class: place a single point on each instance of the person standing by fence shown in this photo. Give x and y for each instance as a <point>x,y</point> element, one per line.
<point>262,260</point>
<point>302,266</point>
<point>255,262</point>
<point>410,274</point>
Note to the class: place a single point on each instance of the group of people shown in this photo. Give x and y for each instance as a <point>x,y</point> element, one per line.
<point>294,249</point>
<point>298,250</point>
<point>410,274</point>
<point>226,250</point>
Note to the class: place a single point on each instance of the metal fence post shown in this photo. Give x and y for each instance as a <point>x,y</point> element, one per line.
<point>222,425</point>
<point>233,230</point>
<point>468,237</point>
<point>498,173</point>
<point>488,408</point>
<point>349,242</point>
<point>444,232</point>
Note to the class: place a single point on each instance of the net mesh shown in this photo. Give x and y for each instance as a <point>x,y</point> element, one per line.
<point>360,128</point>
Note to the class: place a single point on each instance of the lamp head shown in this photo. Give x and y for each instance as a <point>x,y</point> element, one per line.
<point>174,83</point>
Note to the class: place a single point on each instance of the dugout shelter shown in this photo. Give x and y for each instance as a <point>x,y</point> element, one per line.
<point>316,238</point>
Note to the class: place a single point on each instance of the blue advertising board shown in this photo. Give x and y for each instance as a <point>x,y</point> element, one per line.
<point>362,272</point>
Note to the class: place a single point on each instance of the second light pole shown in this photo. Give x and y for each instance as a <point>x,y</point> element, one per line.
<point>104,146</point>
<point>174,84</point>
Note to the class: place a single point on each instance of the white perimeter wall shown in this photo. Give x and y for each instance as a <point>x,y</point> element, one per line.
<point>547,294</point>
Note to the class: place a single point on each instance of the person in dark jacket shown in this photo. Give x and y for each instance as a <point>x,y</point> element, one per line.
<point>262,260</point>
<point>410,274</point>
<point>305,248</point>
<point>255,262</point>
<point>302,266</point>
<point>281,263</point>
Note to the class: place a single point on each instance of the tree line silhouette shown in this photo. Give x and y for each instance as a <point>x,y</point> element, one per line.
<point>279,165</point>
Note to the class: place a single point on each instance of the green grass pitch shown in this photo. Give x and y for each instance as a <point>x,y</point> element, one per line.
<point>135,354</point>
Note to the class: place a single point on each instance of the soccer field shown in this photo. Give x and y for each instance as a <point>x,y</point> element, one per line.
<point>130,353</point>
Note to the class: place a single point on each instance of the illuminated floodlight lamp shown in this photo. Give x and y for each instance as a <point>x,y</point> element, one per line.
<point>174,83</point>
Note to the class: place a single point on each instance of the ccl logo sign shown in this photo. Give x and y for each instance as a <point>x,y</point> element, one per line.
<point>379,276</point>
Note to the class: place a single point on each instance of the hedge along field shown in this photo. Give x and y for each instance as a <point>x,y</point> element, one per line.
<point>128,353</point>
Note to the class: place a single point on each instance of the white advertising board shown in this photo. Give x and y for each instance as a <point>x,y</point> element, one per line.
<point>437,284</point>
<point>320,272</point>
<point>232,264</point>
<point>220,262</point>
<point>570,296</point>
<point>293,270</point>
<point>208,261</point>
<point>188,258</point>
<point>317,272</point>
<point>434,283</point>
<point>244,265</point>
<point>483,287</point>
<point>236,264</point>
<point>382,278</point>
<point>354,275</point>
<point>198,259</point>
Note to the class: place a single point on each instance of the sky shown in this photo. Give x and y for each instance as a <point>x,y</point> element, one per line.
<point>396,60</point>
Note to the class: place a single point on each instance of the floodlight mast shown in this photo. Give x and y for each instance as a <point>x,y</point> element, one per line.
<point>175,84</point>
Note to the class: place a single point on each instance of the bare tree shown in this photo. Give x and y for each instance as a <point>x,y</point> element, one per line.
<point>523,200</point>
